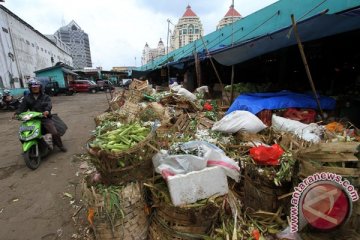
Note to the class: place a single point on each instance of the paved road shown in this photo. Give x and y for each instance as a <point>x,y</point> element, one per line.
<point>32,203</point>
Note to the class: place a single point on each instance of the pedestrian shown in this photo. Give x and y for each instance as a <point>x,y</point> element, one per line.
<point>38,101</point>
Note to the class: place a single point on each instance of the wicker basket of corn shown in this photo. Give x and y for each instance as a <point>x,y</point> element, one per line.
<point>124,154</point>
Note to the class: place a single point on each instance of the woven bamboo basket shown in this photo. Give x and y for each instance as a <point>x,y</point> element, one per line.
<point>117,101</point>
<point>338,157</point>
<point>138,84</point>
<point>110,116</point>
<point>133,225</point>
<point>134,96</point>
<point>188,222</point>
<point>134,164</point>
<point>128,112</point>
<point>169,222</point>
<point>260,193</point>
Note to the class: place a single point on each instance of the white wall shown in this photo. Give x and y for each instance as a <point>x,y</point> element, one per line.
<point>7,65</point>
<point>33,51</point>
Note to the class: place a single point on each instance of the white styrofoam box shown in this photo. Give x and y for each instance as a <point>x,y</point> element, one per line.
<point>191,187</point>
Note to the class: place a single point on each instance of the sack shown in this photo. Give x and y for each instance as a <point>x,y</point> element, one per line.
<point>309,132</point>
<point>239,120</point>
<point>188,95</point>
<point>59,124</point>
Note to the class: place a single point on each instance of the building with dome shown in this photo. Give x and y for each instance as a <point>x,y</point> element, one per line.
<point>231,16</point>
<point>187,30</point>
<point>150,54</point>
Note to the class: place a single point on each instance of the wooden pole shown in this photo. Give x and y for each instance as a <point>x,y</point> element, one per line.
<point>198,69</point>
<point>307,69</point>
<point>167,52</point>
<point>232,84</point>
<point>213,65</point>
<point>232,43</point>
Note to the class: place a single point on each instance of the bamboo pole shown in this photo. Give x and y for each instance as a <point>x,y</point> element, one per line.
<point>232,44</point>
<point>307,69</point>
<point>213,65</point>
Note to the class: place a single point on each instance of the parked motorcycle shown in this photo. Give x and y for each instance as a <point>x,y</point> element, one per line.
<point>8,101</point>
<point>35,145</point>
<point>125,83</point>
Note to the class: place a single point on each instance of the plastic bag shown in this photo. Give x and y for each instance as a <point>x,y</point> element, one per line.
<point>287,234</point>
<point>308,132</point>
<point>59,124</point>
<point>184,92</point>
<point>175,87</point>
<point>170,165</point>
<point>266,155</point>
<point>202,89</point>
<point>49,140</point>
<point>207,106</point>
<point>304,115</point>
<point>239,120</point>
<point>166,164</point>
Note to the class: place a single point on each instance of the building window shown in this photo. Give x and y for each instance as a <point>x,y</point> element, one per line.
<point>196,31</point>
<point>184,31</point>
<point>191,29</point>
<point>5,30</point>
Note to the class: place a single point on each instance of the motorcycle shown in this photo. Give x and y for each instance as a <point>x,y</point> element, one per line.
<point>9,102</point>
<point>35,145</point>
<point>125,83</point>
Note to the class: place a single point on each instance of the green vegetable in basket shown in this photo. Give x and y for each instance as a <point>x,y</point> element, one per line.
<point>122,138</point>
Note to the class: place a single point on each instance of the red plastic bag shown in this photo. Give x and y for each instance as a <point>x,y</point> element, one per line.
<point>303,115</point>
<point>266,155</point>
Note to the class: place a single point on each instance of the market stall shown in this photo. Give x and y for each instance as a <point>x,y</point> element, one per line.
<point>171,164</point>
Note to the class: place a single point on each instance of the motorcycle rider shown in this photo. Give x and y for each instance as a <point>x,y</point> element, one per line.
<point>38,101</point>
<point>8,101</point>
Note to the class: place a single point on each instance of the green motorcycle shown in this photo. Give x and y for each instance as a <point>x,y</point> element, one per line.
<point>35,145</point>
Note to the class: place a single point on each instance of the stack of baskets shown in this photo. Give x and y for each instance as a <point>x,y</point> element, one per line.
<point>194,221</point>
<point>124,171</point>
<point>341,158</point>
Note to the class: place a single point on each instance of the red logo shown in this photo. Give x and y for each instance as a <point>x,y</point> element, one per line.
<point>325,206</point>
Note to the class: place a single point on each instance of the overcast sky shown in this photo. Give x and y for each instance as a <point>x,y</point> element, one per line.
<point>119,29</point>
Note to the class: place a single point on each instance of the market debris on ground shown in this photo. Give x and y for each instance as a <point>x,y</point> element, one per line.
<point>148,138</point>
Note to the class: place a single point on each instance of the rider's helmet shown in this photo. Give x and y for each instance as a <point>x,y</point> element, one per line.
<point>34,86</point>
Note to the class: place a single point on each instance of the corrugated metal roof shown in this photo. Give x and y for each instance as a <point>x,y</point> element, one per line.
<point>264,22</point>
